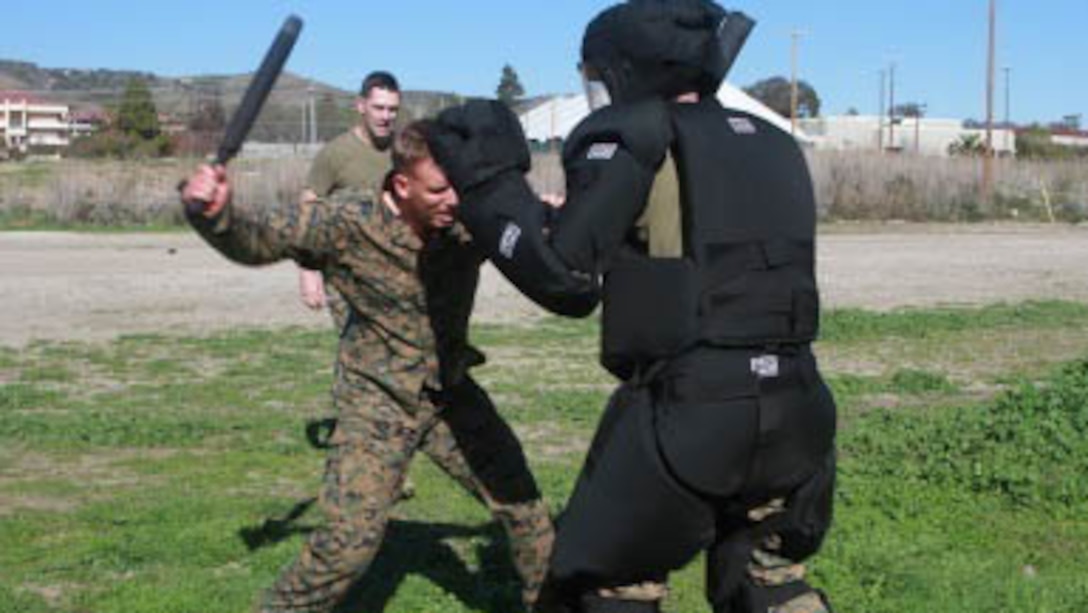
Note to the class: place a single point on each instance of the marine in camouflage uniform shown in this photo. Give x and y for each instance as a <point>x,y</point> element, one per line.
<point>402,384</point>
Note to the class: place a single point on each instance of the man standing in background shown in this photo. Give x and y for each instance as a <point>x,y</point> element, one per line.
<point>357,159</point>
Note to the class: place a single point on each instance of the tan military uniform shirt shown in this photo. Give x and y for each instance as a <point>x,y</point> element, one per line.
<point>659,227</point>
<point>347,162</point>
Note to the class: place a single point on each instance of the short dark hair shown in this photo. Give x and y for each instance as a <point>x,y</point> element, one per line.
<point>410,145</point>
<point>380,79</point>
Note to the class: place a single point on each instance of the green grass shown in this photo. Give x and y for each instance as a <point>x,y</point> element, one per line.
<point>846,325</point>
<point>25,220</point>
<point>129,470</point>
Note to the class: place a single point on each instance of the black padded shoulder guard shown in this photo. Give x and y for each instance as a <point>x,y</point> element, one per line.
<point>610,161</point>
<point>643,129</point>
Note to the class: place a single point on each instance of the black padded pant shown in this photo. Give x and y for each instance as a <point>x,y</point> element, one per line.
<point>678,465</point>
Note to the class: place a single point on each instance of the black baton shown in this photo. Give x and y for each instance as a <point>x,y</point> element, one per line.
<point>256,94</point>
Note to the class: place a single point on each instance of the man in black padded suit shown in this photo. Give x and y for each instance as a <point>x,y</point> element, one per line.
<point>695,225</point>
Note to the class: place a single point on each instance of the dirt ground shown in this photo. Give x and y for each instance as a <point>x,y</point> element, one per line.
<point>61,286</point>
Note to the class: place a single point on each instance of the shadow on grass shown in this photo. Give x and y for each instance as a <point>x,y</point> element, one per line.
<point>416,548</point>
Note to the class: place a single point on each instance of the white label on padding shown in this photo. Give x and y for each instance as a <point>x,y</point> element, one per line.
<point>602,151</point>
<point>509,241</point>
<point>742,125</point>
<point>765,366</point>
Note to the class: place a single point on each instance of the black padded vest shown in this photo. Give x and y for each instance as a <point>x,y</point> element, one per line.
<point>747,278</point>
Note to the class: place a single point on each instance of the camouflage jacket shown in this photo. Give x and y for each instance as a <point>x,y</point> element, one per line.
<point>410,299</point>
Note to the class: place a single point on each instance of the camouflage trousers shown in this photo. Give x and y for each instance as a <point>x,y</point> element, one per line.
<point>760,567</point>
<point>372,447</point>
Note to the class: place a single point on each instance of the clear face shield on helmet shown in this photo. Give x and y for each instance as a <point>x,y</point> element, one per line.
<point>596,91</point>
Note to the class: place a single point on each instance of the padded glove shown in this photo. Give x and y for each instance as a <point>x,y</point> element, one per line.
<point>478,141</point>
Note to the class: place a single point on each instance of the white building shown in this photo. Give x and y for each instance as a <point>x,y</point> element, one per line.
<point>555,117</point>
<point>924,136</point>
<point>27,123</point>
<point>1070,138</point>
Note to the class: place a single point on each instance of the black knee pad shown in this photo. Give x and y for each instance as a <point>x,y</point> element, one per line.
<point>628,519</point>
<point>798,531</point>
<point>807,518</point>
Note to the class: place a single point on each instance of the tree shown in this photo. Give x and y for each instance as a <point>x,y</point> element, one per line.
<point>1037,142</point>
<point>776,93</point>
<point>209,117</point>
<point>509,89</point>
<point>909,109</point>
<point>1070,122</point>
<point>135,131</point>
<point>137,115</point>
<point>968,145</point>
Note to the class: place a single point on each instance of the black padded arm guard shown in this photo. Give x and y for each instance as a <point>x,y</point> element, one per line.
<point>508,221</point>
<point>610,161</point>
<point>482,149</point>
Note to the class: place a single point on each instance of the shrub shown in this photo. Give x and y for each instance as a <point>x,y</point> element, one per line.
<point>1029,445</point>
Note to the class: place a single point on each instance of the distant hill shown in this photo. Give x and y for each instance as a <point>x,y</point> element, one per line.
<point>25,75</point>
<point>181,97</point>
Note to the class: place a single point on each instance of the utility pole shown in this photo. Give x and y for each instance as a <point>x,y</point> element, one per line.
<point>918,133</point>
<point>988,155</point>
<point>303,139</point>
<point>1008,120</point>
<point>313,113</point>
<point>919,111</point>
<point>891,107</point>
<point>794,36</point>
<point>880,114</point>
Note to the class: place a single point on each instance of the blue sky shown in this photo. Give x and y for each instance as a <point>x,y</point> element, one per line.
<point>938,46</point>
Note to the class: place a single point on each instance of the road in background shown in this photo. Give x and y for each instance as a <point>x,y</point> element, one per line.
<point>77,286</point>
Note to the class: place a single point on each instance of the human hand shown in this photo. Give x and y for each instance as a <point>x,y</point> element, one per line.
<point>207,190</point>
<point>553,199</point>
<point>311,289</point>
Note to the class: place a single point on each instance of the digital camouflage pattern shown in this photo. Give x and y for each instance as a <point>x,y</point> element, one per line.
<point>401,385</point>
<point>768,568</point>
<point>372,446</point>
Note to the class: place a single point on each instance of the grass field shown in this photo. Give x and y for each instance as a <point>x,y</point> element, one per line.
<point>130,471</point>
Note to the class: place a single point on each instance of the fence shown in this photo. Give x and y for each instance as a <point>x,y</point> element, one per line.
<point>848,186</point>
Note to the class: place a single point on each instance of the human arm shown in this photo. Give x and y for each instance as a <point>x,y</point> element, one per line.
<point>306,232</point>
<point>311,283</point>
<point>311,289</point>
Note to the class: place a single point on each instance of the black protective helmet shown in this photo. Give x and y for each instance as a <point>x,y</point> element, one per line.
<point>648,48</point>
